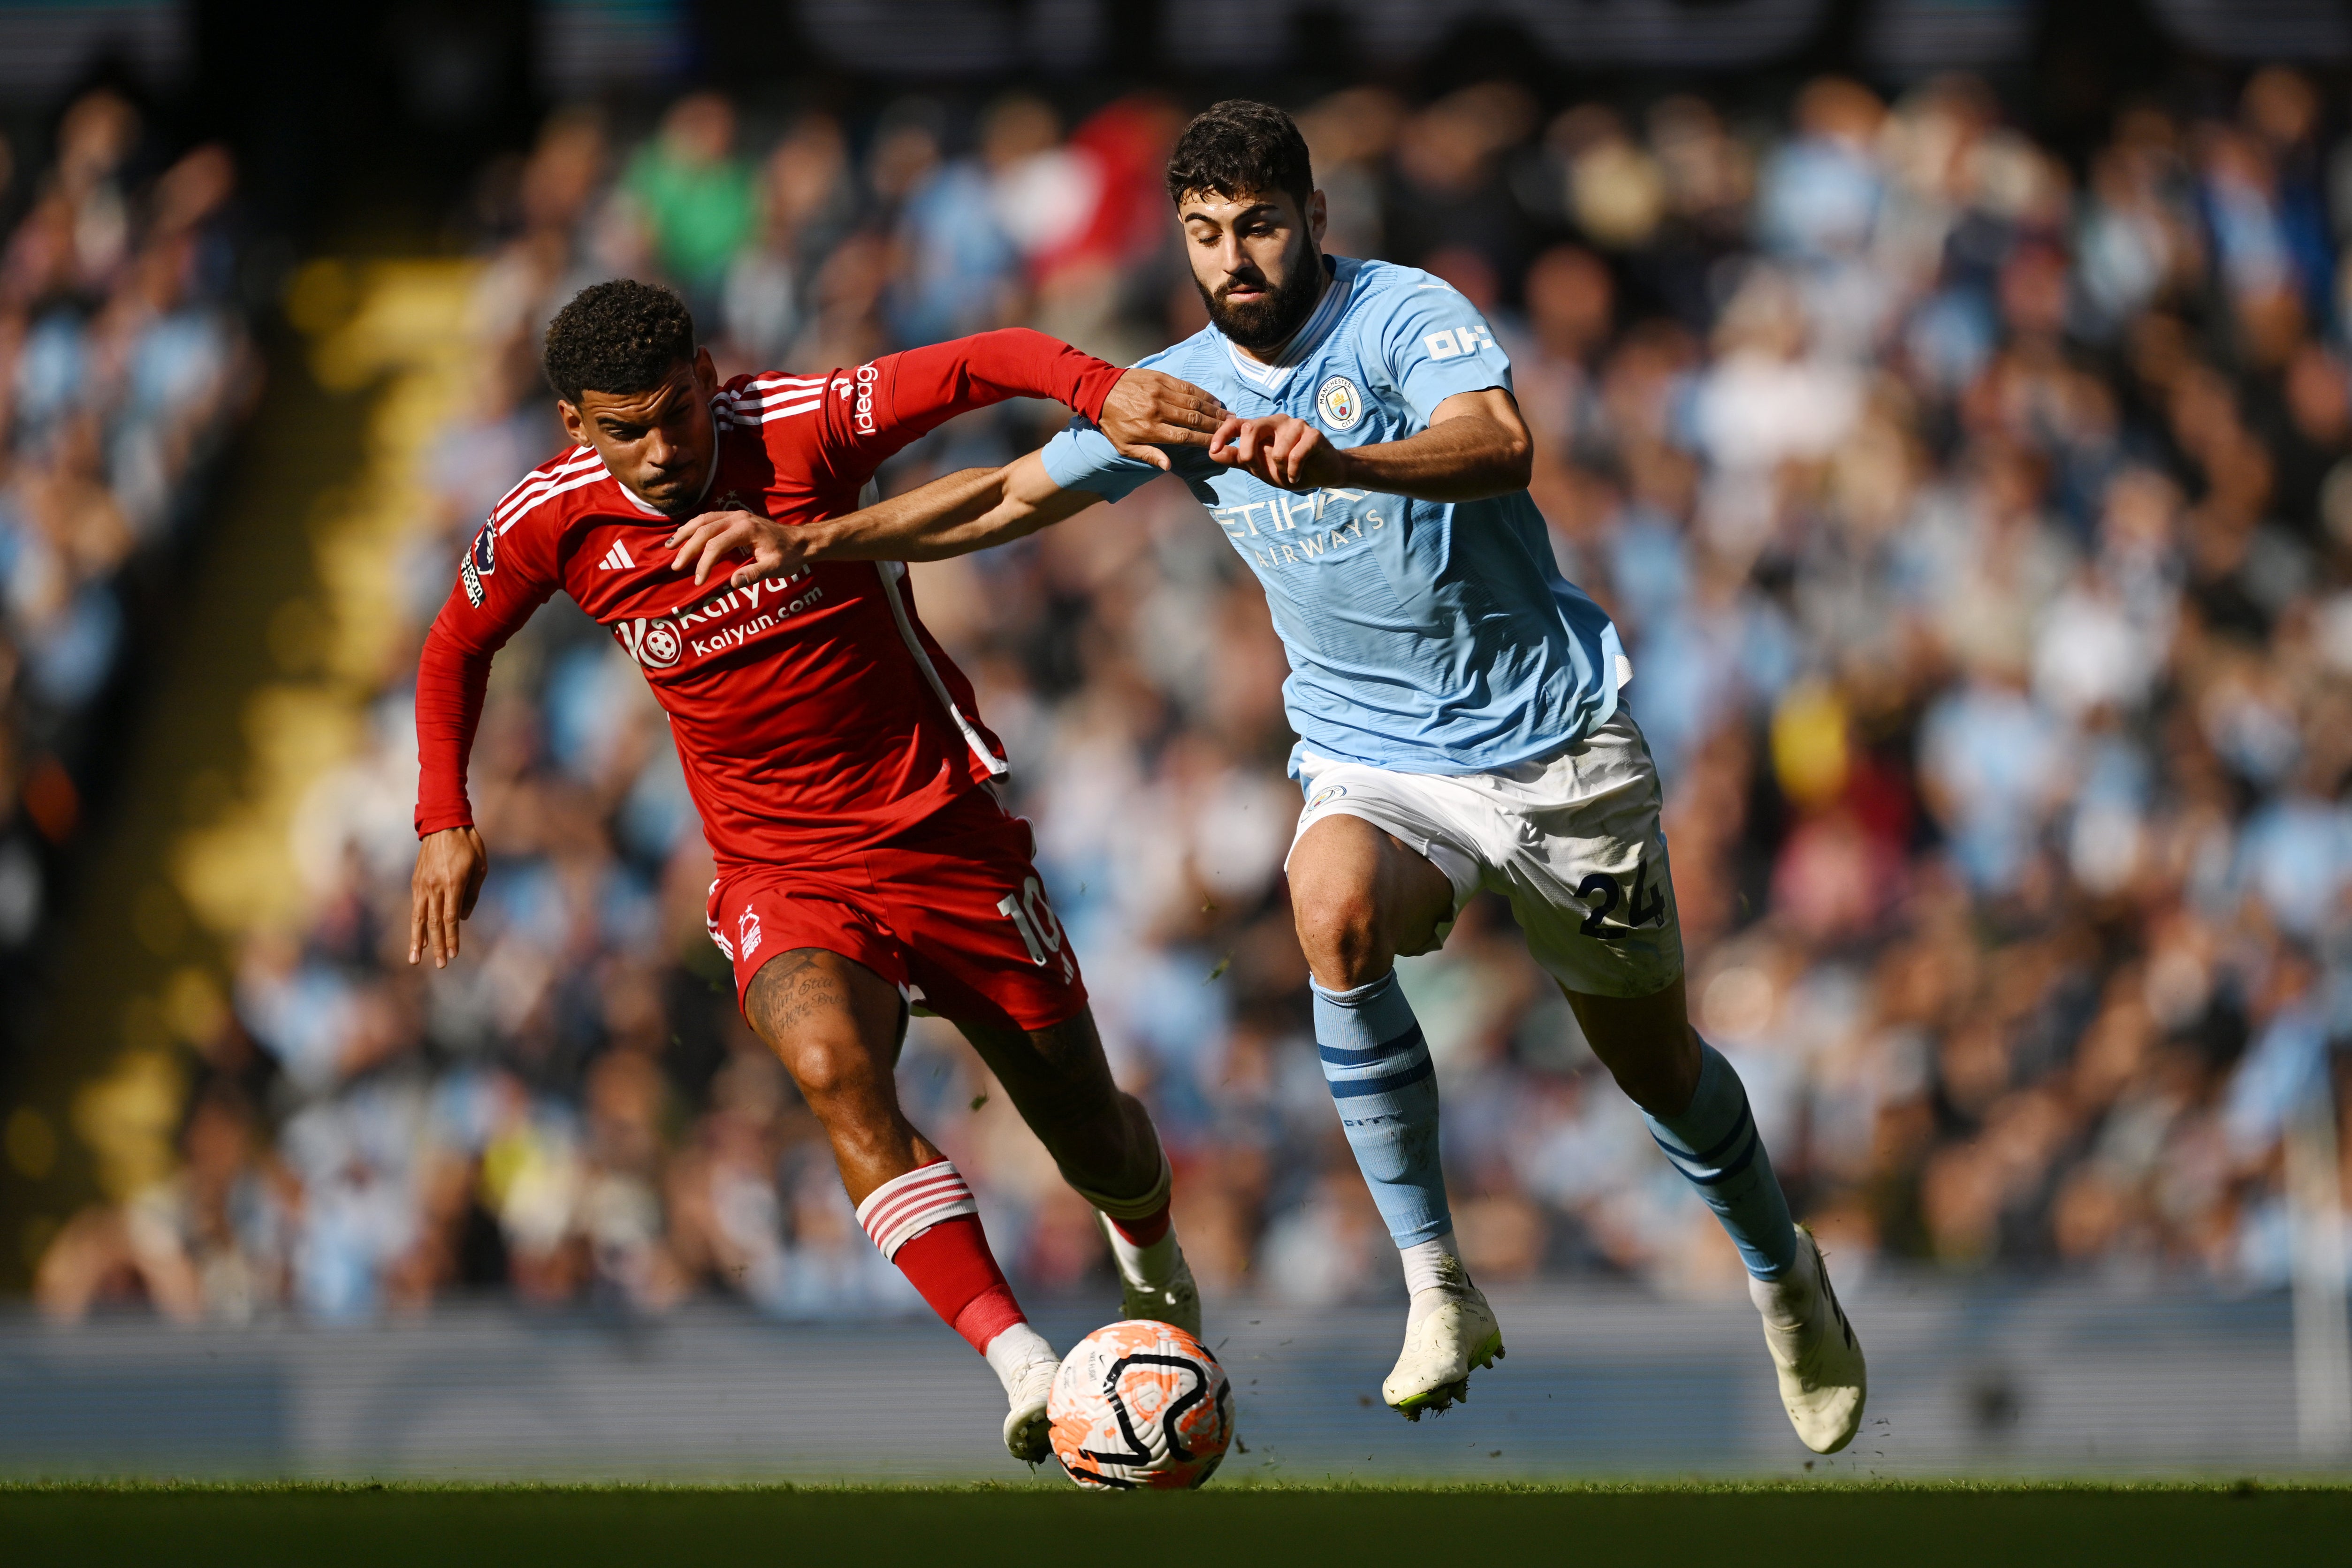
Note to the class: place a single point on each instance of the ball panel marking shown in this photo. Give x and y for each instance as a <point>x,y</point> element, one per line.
<point>1141,1404</point>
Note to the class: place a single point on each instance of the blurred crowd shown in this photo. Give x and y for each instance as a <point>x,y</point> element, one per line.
<point>122,361</point>
<point>1979,523</point>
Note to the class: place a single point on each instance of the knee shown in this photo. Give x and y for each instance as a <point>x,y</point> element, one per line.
<point>1339,931</point>
<point>830,1066</point>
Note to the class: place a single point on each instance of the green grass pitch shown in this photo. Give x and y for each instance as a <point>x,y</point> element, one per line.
<point>1983,1526</point>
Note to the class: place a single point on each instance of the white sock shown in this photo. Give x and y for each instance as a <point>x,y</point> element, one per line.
<point>1434,1264</point>
<point>1014,1351</point>
<point>1148,1266</point>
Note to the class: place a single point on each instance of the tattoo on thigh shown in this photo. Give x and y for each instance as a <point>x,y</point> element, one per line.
<point>788,990</point>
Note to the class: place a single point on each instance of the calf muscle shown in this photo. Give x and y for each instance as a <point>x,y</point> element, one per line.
<point>1058,1080</point>
<point>1645,1042</point>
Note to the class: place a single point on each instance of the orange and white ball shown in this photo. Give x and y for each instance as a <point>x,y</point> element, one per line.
<point>1141,1404</point>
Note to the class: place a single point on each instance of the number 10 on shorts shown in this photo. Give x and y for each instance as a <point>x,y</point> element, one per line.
<point>1033,917</point>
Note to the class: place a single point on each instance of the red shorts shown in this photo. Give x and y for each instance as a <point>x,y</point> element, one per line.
<point>950,911</point>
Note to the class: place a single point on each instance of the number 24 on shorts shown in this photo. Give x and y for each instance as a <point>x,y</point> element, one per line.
<point>1648,904</point>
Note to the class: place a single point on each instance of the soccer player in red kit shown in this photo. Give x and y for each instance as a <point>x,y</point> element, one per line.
<point>845,782</point>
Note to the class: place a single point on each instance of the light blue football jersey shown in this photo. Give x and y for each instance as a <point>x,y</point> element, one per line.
<point>1424,636</point>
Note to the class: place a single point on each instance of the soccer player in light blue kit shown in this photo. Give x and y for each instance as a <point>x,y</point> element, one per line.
<point>1460,718</point>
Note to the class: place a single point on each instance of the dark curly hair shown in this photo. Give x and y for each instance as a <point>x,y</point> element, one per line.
<point>622,336</point>
<point>1241,148</point>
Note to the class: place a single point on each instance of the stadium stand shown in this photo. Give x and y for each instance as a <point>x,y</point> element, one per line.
<point>1980,526</point>
<point>123,362</point>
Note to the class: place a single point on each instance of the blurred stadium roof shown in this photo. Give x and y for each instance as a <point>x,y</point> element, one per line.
<point>425,85</point>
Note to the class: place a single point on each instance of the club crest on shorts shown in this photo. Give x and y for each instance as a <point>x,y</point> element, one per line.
<point>1326,796</point>
<point>654,644</point>
<point>747,932</point>
<point>481,560</point>
<point>1340,402</point>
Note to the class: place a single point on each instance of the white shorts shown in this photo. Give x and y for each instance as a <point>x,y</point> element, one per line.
<point>1572,840</point>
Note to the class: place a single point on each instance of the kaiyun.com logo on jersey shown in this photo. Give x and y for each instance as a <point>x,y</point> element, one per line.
<point>658,642</point>
<point>654,644</point>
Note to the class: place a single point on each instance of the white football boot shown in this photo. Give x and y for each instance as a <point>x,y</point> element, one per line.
<point>1024,1363</point>
<point>1814,1352</point>
<point>1449,1330</point>
<point>1163,1294</point>
<point>1026,1430</point>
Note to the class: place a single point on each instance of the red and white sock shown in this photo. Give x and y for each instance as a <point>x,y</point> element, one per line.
<point>1142,1240</point>
<point>1145,1249</point>
<point>927,1223</point>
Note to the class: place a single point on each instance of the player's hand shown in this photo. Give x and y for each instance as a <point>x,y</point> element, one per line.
<point>1147,411</point>
<point>704,541</point>
<point>450,866</point>
<point>1284,451</point>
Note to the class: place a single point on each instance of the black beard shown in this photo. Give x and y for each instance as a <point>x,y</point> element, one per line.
<point>1268,323</point>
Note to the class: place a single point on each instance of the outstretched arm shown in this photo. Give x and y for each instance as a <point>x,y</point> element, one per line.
<point>953,516</point>
<point>905,395</point>
<point>1476,445</point>
<point>956,515</point>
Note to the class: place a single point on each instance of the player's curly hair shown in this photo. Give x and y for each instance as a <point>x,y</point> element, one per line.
<point>621,336</point>
<point>1240,148</point>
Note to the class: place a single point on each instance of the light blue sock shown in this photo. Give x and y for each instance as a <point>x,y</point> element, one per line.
<point>1378,1067</point>
<point>1714,1143</point>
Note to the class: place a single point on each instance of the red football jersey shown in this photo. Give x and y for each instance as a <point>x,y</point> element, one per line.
<point>812,714</point>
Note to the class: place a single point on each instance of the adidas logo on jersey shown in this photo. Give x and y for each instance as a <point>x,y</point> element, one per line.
<point>616,559</point>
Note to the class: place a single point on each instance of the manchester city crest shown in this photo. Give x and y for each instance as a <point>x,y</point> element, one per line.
<point>1340,402</point>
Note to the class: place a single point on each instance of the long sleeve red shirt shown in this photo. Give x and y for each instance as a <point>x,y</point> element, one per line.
<point>812,714</point>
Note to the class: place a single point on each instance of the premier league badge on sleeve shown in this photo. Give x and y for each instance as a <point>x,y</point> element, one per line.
<point>1340,403</point>
<point>481,560</point>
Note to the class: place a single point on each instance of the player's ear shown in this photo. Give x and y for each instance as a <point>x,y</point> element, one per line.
<point>706,373</point>
<point>575,426</point>
<point>1319,218</point>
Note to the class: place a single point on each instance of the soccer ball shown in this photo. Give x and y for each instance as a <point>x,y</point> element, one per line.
<point>1141,1404</point>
